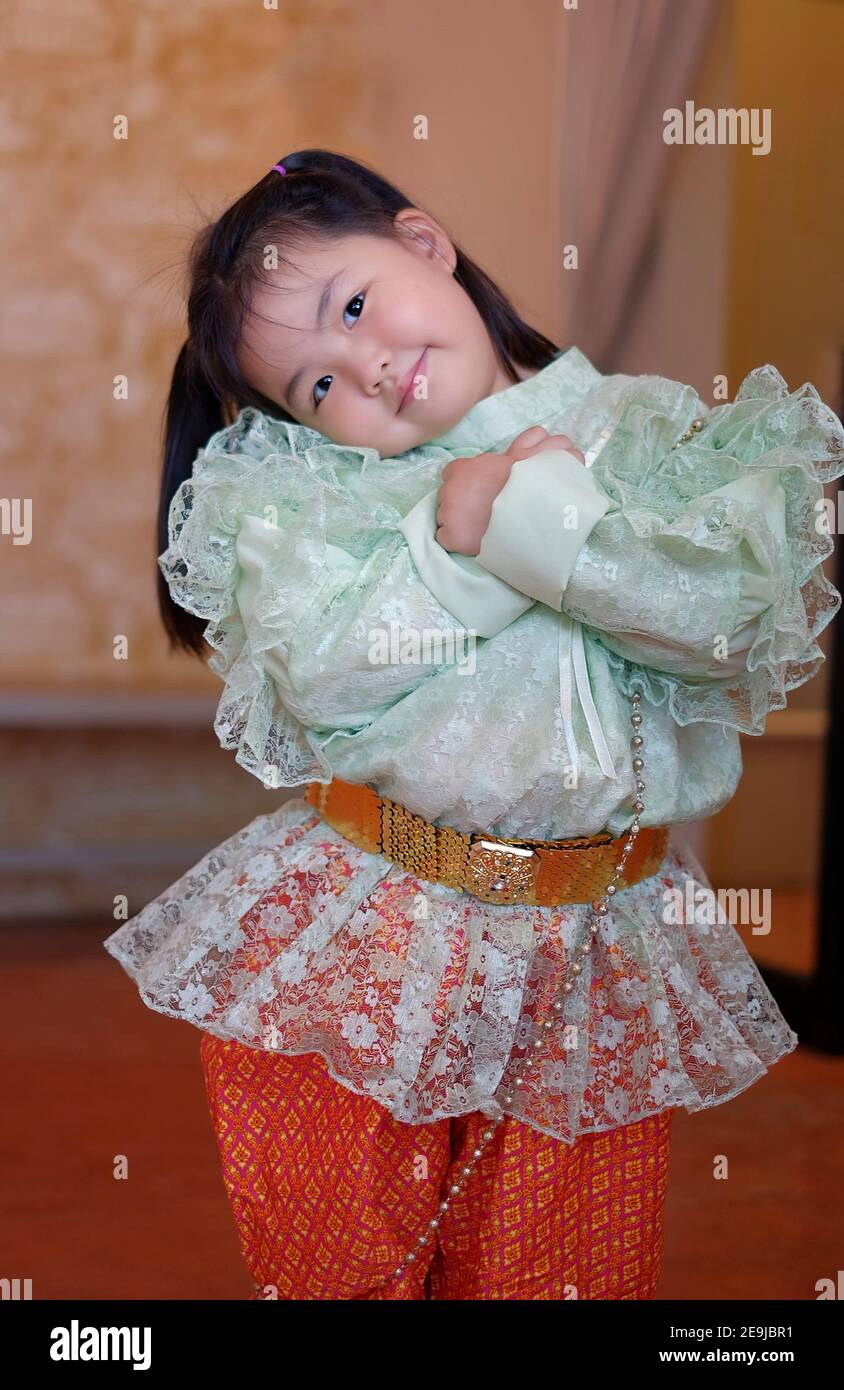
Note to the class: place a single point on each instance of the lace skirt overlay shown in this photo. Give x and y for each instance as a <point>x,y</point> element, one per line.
<point>289,939</point>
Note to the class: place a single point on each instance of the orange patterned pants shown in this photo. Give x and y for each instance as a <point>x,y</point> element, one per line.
<point>329,1192</point>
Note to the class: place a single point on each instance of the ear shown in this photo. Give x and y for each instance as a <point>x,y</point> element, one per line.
<point>425,235</point>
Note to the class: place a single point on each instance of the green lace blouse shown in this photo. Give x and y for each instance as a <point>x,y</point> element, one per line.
<point>490,692</point>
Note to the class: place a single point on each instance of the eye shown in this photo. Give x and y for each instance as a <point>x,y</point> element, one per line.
<point>359,298</point>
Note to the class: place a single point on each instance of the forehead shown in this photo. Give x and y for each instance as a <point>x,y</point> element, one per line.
<point>285,299</point>
<point>296,282</point>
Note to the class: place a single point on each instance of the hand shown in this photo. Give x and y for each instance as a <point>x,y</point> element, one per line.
<point>465,497</point>
<point>469,487</point>
<point>535,439</point>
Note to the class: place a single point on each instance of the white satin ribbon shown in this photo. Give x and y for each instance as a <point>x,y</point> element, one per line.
<point>573,657</point>
<point>604,436</point>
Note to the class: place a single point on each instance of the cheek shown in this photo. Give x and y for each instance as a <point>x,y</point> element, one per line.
<point>419,313</point>
<point>356,415</point>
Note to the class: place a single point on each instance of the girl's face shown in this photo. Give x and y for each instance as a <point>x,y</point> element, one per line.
<point>384,306</point>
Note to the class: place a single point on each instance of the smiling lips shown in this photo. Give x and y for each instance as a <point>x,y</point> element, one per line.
<point>413,375</point>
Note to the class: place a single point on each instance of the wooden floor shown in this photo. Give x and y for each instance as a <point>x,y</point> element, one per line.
<point>92,1074</point>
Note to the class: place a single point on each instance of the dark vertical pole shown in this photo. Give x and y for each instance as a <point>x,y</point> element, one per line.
<point>824,1024</point>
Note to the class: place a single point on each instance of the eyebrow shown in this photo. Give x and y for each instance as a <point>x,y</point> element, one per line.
<point>324,299</point>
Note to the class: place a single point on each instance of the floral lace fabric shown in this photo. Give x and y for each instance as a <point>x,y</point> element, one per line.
<point>656,580</point>
<point>691,523</point>
<point>289,938</point>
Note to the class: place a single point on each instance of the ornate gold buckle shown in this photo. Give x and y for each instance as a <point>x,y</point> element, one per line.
<point>500,873</point>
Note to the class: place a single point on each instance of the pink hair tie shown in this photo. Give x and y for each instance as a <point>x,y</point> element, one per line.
<point>280,167</point>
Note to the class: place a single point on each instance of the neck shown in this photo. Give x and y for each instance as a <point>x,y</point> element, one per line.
<point>503,379</point>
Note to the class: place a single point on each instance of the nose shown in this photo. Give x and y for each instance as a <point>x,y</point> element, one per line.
<point>380,367</point>
<point>374,368</point>
<point>368,368</point>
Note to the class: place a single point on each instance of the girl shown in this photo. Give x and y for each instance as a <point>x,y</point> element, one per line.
<point>451,995</point>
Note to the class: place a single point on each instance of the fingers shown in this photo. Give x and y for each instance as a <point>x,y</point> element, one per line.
<point>537,439</point>
<point>559,441</point>
<point>529,438</point>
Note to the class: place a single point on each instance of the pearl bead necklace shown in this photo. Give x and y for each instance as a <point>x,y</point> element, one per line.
<point>689,433</point>
<point>600,908</point>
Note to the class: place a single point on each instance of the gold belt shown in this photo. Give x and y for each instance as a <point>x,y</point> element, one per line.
<point>539,873</point>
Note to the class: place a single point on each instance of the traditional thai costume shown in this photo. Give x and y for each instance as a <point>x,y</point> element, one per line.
<point>462,968</point>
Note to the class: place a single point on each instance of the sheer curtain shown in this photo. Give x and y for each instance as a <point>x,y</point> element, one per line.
<point>627,62</point>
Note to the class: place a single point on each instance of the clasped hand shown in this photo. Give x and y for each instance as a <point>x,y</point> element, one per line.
<point>469,486</point>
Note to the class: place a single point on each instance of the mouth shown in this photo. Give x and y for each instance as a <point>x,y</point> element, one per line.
<point>407,385</point>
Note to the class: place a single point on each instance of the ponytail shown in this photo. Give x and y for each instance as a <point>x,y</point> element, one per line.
<point>194,412</point>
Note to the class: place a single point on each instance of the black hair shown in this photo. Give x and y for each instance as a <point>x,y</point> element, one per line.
<point>323,195</point>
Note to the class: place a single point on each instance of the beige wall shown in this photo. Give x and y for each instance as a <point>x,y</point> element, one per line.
<point>682,325</point>
<point>748,273</point>
<point>214,93</point>
<point>786,286</point>
<point>114,780</point>
<point>785,297</point>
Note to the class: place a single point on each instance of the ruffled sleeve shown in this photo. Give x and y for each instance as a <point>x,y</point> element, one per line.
<point>698,560</point>
<point>317,614</point>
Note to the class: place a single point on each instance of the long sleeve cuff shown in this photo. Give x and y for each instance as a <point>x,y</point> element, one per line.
<point>540,520</point>
<point>464,587</point>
